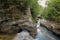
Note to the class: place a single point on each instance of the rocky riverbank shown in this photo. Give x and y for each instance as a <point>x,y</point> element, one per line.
<point>15,17</point>
<point>55,27</point>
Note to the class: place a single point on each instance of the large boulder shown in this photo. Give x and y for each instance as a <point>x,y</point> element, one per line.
<point>18,26</point>
<point>20,36</point>
<point>14,19</point>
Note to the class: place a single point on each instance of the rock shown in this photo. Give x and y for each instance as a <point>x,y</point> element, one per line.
<point>17,27</point>
<point>30,27</point>
<point>52,26</point>
<point>56,26</point>
<point>20,36</point>
<point>56,31</point>
<point>6,37</point>
<point>14,19</point>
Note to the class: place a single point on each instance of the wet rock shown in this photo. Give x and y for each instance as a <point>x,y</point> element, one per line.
<point>56,31</point>
<point>23,36</point>
<point>55,27</point>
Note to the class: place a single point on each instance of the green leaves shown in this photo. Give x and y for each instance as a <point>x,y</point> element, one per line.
<point>52,12</point>
<point>23,4</point>
<point>35,8</point>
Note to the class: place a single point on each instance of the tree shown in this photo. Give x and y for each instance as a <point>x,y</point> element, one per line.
<point>52,11</point>
<point>35,8</point>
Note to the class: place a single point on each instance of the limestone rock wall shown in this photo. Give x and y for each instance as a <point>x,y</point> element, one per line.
<point>12,19</point>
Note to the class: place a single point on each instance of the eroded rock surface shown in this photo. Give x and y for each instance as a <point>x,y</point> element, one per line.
<point>20,36</point>
<point>13,19</point>
<point>51,26</point>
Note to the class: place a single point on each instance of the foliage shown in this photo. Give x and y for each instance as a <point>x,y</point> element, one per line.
<point>52,12</point>
<point>22,5</point>
<point>35,8</point>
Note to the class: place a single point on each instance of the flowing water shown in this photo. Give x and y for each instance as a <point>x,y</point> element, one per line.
<point>42,34</point>
<point>45,34</point>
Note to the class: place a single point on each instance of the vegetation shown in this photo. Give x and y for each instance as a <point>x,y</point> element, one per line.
<point>35,8</point>
<point>52,11</point>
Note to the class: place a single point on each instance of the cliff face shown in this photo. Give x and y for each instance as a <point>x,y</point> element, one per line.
<point>53,26</point>
<point>13,19</point>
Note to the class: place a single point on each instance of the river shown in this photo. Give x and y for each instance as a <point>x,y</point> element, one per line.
<point>42,34</point>
<point>45,34</point>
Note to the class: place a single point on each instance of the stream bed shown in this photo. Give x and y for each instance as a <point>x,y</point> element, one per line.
<point>44,34</point>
